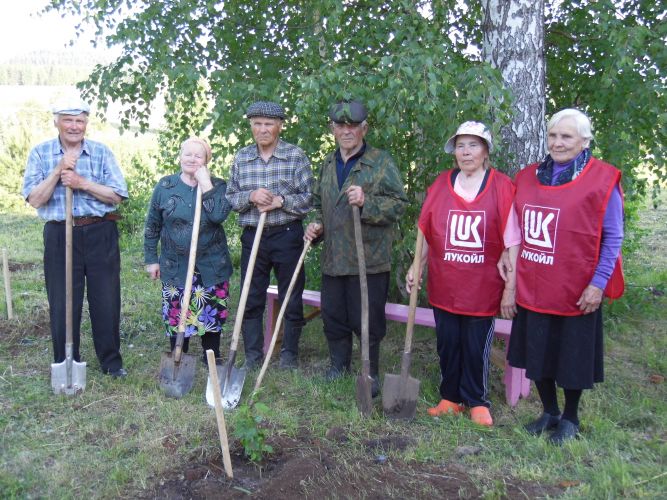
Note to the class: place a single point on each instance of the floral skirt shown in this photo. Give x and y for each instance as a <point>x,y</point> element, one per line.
<point>207,311</point>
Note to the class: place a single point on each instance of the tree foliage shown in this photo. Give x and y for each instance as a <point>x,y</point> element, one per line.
<point>609,59</point>
<point>413,62</point>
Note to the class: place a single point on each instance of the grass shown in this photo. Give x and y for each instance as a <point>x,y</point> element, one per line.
<point>119,438</point>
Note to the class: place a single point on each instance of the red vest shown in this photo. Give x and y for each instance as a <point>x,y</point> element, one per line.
<point>562,228</point>
<point>465,242</point>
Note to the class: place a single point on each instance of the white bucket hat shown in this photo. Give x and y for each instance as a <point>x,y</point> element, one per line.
<point>470,128</point>
<point>70,105</point>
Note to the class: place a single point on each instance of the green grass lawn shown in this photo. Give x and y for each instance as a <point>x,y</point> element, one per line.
<point>119,438</point>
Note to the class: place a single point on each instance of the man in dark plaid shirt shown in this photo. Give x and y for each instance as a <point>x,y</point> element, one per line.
<point>271,176</point>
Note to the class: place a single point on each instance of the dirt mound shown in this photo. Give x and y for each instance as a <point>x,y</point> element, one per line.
<point>313,468</point>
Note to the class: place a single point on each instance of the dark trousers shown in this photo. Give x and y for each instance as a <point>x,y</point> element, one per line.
<point>341,306</point>
<point>464,347</point>
<point>279,249</point>
<point>95,268</point>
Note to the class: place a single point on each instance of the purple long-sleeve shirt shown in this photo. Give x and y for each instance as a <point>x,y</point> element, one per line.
<point>612,233</point>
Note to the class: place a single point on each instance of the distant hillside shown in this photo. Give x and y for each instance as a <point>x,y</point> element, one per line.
<point>49,68</point>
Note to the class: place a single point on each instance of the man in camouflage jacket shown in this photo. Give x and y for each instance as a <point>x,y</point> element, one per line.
<point>355,174</point>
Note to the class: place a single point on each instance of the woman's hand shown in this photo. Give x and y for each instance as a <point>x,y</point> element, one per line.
<point>590,299</point>
<point>504,265</point>
<point>203,178</point>
<point>410,280</point>
<point>153,271</point>
<point>508,303</point>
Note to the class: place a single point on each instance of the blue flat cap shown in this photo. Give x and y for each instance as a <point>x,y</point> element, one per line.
<point>265,109</point>
<point>70,106</point>
<point>348,112</point>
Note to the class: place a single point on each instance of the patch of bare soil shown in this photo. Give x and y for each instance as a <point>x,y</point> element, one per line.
<point>308,468</point>
<point>22,266</point>
<point>31,330</point>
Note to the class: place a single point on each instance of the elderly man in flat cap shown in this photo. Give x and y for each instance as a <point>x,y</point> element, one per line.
<point>358,174</point>
<point>271,176</point>
<point>91,171</point>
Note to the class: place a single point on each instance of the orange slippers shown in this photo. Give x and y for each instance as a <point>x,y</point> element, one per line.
<point>445,407</point>
<point>481,415</point>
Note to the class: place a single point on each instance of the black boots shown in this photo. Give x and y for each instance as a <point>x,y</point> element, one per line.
<point>253,342</point>
<point>290,346</point>
<point>186,343</point>
<point>340,352</point>
<point>211,340</point>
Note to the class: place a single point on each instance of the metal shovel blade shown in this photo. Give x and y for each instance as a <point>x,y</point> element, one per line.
<point>210,388</point>
<point>231,391</point>
<point>399,396</point>
<point>59,377</point>
<point>176,379</point>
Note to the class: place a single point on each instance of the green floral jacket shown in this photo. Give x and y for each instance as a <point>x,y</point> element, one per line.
<point>384,203</point>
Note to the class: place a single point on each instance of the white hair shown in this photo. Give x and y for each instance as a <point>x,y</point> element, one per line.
<point>581,121</point>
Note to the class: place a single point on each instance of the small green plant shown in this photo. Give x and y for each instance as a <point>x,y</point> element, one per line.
<point>249,432</point>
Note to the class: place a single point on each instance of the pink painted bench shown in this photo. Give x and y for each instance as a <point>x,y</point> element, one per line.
<point>516,383</point>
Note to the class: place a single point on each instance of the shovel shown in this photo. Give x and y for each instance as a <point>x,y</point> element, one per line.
<point>231,385</point>
<point>400,392</point>
<point>364,381</point>
<point>69,376</point>
<point>279,321</point>
<point>177,369</point>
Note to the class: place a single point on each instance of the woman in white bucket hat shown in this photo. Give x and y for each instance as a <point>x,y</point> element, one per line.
<point>467,220</point>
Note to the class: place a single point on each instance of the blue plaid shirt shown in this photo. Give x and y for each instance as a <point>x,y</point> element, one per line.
<point>287,173</point>
<point>96,163</point>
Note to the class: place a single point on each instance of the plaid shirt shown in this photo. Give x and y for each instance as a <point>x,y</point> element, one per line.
<point>287,173</point>
<point>96,163</point>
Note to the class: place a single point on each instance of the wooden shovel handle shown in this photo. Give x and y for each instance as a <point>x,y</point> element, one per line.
<point>219,414</point>
<point>240,311</point>
<point>187,288</point>
<point>406,359</point>
<point>279,321</point>
<point>363,284</point>
<point>414,293</point>
<point>69,338</point>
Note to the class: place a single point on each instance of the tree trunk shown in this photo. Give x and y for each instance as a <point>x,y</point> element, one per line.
<point>514,43</point>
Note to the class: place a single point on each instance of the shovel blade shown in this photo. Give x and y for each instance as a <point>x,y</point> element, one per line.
<point>210,388</point>
<point>399,396</point>
<point>59,382</point>
<point>364,398</point>
<point>231,392</point>
<point>176,379</point>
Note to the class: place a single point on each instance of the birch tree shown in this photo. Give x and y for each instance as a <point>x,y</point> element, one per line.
<point>514,43</point>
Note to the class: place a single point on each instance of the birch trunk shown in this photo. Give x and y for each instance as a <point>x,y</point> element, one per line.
<point>514,43</point>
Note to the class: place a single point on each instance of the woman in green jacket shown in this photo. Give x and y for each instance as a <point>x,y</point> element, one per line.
<point>169,223</point>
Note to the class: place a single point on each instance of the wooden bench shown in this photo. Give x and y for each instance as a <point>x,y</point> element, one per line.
<point>516,383</point>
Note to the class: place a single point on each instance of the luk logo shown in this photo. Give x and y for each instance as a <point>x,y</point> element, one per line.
<point>465,231</point>
<point>539,227</point>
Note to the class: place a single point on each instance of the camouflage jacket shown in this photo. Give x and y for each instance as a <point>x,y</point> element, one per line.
<point>384,203</point>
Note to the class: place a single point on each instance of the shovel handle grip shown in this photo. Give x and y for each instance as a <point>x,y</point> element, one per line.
<point>187,288</point>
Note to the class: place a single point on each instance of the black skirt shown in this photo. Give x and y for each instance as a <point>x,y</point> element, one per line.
<point>567,349</point>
